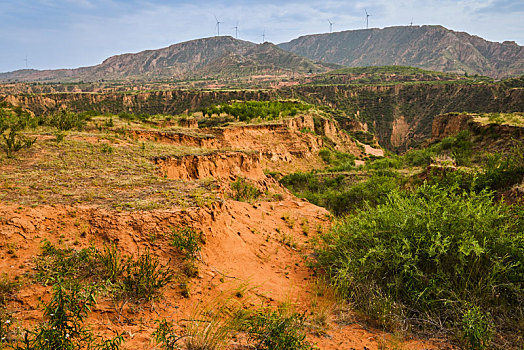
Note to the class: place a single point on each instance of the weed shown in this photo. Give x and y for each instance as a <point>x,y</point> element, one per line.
<point>210,326</point>
<point>106,148</point>
<point>165,335</point>
<point>7,289</point>
<point>477,328</point>
<point>64,327</point>
<point>287,240</point>
<point>187,241</point>
<point>290,222</point>
<point>143,278</point>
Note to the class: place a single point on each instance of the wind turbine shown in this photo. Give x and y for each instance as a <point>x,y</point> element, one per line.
<point>264,36</point>
<point>411,23</point>
<point>330,26</point>
<point>218,26</point>
<point>236,31</point>
<point>367,18</point>
<point>26,60</point>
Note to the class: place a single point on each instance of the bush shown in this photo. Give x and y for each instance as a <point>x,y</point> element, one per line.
<point>14,120</point>
<point>338,195</point>
<point>244,191</point>
<point>273,330</point>
<point>65,120</point>
<point>427,255</point>
<point>501,172</point>
<point>56,263</point>
<point>477,328</point>
<point>458,147</point>
<point>247,110</point>
<point>339,161</point>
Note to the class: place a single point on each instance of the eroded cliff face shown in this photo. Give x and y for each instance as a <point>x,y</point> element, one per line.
<point>491,137</point>
<point>401,116</point>
<point>224,165</point>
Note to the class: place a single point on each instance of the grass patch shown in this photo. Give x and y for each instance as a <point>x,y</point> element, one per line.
<point>138,280</point>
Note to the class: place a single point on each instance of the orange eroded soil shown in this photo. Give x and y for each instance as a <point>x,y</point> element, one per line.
<point>257,253</point>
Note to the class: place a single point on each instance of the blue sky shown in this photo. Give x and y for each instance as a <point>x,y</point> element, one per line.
<point>74,33</point>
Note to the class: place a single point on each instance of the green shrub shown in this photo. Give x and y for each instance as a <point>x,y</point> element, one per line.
<point>165,335</point>
<point>458,147</point>
<point>501,172</point>
<point>337,194</point>
<point>14,120</point>
<point>64,327</point>
<point>426,255</point>
<point>273,330</point>
<point>339,161</point>
<point>244,191</point>
<point>66,120</point>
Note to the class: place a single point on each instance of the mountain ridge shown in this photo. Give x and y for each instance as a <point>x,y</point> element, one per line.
<point>431,47</point>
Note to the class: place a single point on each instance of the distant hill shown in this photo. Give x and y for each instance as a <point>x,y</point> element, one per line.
<point>210,57</point>
<point>430,47</point>
<point>265,58</point>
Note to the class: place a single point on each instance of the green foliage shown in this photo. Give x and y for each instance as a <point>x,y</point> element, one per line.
<point>458,147</point>
<point>477,328</point>
<point>60,263</point>
<point>165,335</point>
<point>339,161</point>
<point>186,240</point>
<point>497,172</point>
<point>14,120</point>
<point>274,330</point>
<point>244,191</point>
<point>64,327</point>
<point>65,120</point>
<point>137,280</point>
<point>426,255</point>
<point>337,194</point>
<point>143,278</point>
<point>501,172</point>
<point>245,111</point>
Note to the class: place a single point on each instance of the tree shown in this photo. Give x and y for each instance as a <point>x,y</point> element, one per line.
<point>13,120</point>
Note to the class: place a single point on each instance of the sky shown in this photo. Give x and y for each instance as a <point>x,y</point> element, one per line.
<point>52,34</point>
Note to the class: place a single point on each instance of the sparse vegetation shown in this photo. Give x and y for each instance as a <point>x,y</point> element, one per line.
<point>247,110</point>
<point>138,280</point>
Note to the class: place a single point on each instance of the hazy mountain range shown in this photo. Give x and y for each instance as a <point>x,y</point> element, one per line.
<point>429,47</point>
